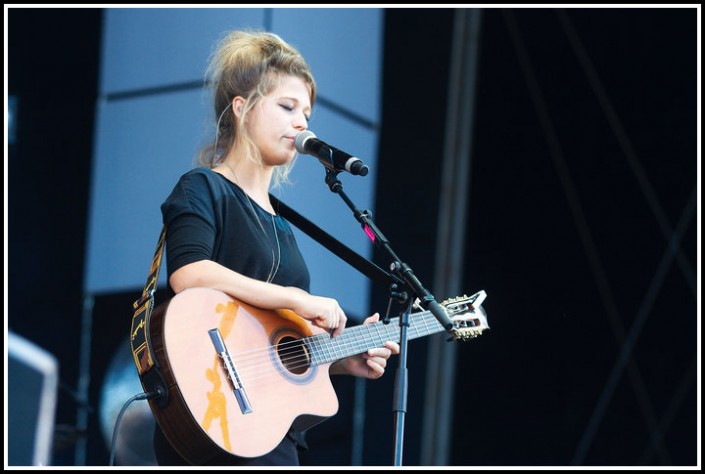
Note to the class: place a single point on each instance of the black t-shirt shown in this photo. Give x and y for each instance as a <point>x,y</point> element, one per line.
<point>210,218</point>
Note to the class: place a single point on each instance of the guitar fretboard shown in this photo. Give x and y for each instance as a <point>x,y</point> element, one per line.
<point>359,339</point>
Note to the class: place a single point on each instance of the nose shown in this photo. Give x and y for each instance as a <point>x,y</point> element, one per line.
<point>300,123</point>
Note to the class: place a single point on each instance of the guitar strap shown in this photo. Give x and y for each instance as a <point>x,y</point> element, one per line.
<point>357,261</point>
<point>142,351</point>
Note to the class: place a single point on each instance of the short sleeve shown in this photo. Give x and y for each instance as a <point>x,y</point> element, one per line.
<point>189,216</point>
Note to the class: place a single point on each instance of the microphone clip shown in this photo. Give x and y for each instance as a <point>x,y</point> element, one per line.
<point>332,180</point>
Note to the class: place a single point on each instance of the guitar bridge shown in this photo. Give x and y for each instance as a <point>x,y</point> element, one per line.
<point>230,371</point>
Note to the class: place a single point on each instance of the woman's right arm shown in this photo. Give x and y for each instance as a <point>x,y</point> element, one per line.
<point>321,311</point>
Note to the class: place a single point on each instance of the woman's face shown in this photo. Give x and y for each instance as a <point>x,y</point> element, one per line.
<point>276,120</point>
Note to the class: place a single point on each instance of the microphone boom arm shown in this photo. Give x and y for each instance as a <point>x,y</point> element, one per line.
<point>401,269</point>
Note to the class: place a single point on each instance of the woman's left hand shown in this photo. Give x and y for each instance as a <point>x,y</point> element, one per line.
<point>370,364</point>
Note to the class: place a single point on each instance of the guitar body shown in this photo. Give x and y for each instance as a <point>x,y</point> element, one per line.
<point>202,418</point>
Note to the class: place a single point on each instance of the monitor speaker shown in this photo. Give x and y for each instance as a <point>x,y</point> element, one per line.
<point>32,382</point>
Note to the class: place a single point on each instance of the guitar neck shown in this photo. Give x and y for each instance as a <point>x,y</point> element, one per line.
<point>359,339</point>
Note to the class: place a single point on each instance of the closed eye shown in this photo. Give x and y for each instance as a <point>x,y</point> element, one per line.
<point>291,109</point>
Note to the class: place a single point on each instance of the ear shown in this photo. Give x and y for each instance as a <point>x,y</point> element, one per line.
<point>238,105</point>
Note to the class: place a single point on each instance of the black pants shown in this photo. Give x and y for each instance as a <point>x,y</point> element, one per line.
<point>285,454</point>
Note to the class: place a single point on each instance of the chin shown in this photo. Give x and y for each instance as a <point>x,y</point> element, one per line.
<point>288,159</point>
<point>279,161</point>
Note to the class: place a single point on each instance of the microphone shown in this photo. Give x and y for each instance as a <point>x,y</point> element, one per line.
<point>332,158</point>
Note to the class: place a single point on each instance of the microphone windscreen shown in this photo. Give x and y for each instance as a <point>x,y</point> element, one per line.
<point>300,140</point>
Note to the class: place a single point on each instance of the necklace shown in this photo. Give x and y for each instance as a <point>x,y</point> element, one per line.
<point>277,259</point>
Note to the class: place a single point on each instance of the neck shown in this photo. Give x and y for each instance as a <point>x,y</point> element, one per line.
<point>252,178</point>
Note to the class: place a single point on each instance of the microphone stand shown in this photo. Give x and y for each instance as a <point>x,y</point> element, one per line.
<point>426,300</point>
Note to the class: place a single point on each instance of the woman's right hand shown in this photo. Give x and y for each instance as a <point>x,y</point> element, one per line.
<point>323,312</point>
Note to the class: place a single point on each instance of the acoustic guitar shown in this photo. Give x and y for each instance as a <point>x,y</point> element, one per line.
<point>239,377</point>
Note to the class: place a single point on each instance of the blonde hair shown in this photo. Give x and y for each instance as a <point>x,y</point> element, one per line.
<point>249,64</point>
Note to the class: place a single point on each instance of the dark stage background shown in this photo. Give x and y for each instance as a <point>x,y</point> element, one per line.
<point>581,228</point>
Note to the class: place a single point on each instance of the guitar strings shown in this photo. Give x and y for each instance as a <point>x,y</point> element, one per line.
<point>355,337</point>
<point>252,359</point>
<point>250,367</point>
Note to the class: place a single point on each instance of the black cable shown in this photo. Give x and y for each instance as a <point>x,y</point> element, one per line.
<point>140,396</point>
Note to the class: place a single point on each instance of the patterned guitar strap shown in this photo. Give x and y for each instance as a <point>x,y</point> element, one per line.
<point>142,352</point>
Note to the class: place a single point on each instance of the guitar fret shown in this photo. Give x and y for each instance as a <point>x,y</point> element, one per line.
<point>425,325</point>
<point>412,327</point>
<point>343,342</point>
<point>331,348</point>
<point>326,347</point>
<point>314,348</point>
<point>392,330</point>
<point>379,336</point>
<point>368,328</point>
<point>358,342</point>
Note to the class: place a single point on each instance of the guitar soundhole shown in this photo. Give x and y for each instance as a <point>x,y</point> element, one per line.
<point>293,355</point>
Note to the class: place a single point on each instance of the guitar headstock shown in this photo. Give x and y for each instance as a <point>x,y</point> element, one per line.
<point>468,316</point>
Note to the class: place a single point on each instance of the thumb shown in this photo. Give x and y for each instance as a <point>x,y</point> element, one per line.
<point>372,319</point>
